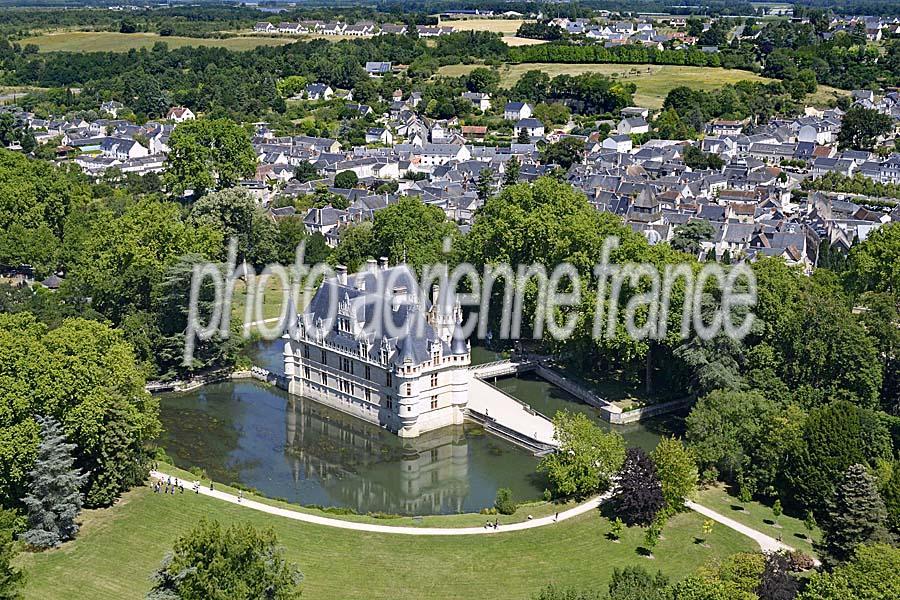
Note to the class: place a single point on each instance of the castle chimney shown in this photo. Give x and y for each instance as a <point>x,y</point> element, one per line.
<point>383,262</point>
<point>341,271</point>
<point>371,265</point>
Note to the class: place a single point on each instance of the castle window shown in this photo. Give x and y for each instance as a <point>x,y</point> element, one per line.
<point>390,379</point>
<point>368,372</point>
<point>306,372</point>
<point>434,402</point>
<point>305,350</point>
<point>390,402</point>
<point>409,389</point>
<point>324,378</point>
<point>324,358</point>
<point>368,395</point>
<point>434,379</point>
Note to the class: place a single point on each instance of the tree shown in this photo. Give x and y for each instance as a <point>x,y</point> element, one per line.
<point>85,375</point>
<point>861,126</point>
<point>355,247</point>
<point>11,579</point>
<point>235,213</point>
<point>54,495</point>
<point>871,574</point>
<point>697,159</point>
<point>677,472</point>
<point>890,493</point>
<point>834,437</point>
<point>616,531</point>
<point>238,562</point>
<point>564,153</point>
<point>483,79</point>
<point>305,171</point>
<point>689,236</point>
<point>670,126</point>
<point>855,515</point>
<point>636,583</point>
<point>523,137</point>
<point>208,154</point>
<point>777,582</point>
<point>346,180</point>
<point>638,497</point>
<point>412,232</point>
<point>587,458</point>
<point>485,186</point>
<point>511,175</point>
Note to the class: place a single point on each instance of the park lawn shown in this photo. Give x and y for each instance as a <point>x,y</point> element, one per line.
<point>272,303</point>
<point>118,549</point>
<point>108,41</point>
<point>653,81</point>
<point>759,516</point>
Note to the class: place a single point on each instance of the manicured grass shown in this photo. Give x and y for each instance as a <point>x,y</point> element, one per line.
<point>653,81</point>
<point>271,304</point>
<point>107,41</point>
<point>759,516</point>
<point>119,548</point>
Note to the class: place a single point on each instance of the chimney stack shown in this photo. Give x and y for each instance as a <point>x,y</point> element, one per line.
<point>383,262</point>
<point>371,265</point>
<point>341,271</point>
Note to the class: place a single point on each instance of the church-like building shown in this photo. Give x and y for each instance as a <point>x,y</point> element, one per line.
<point>410,377</point>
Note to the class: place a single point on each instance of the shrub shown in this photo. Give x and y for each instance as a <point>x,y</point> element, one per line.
<point>504,503</point>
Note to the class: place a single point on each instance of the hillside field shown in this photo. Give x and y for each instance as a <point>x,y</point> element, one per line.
<point>108,41</point>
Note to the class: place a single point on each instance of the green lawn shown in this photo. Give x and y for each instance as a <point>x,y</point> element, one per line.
<point>107,41</point>
<point>119,548</point>
<point>759,516</point>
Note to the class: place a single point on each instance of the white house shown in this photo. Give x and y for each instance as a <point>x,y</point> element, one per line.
<point>380,135</point>
<point>319,91</point>
<point>180,114</point>
<point>479,100</point>
<point>516,111</point>
<point>264,27</point>
<point>633,126</point>
<point>122,148</point>
<point>620,143</point>
<point>533,127</point>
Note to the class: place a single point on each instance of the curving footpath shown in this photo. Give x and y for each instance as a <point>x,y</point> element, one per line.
<point>766,542</point>
<point>590,505</point>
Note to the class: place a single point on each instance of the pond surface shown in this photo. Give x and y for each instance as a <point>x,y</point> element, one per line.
<point>304,452</point>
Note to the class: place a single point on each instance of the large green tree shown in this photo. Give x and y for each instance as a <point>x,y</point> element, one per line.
<point>84,375</point>
<point>860,127</point>
<point>413,232</point>
<point>235,213</point>
<point>587,459</point>
<point>239,562</point>
<point>855,515</point>
<point>873,573</point>
<point>677,471</point>
<point>208,154</point>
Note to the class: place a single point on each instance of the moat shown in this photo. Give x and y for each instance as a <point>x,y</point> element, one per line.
<point>296,449</point>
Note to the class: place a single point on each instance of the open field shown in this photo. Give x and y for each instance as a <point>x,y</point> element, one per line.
<point>504,26</point>
<point>653,81</point>
<point>759,516</point>
<point>107,41</point>
<point>118,549</point>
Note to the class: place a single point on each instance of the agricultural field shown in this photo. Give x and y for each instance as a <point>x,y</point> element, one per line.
<point>504,26</point>
<point>338,563</point>
<point>107,41</point>
<point>653,81</point>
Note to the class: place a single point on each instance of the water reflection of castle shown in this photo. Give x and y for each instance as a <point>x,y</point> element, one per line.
<point>423,475</point>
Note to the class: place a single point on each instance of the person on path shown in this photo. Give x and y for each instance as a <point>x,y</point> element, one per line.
<point>240,495</point>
